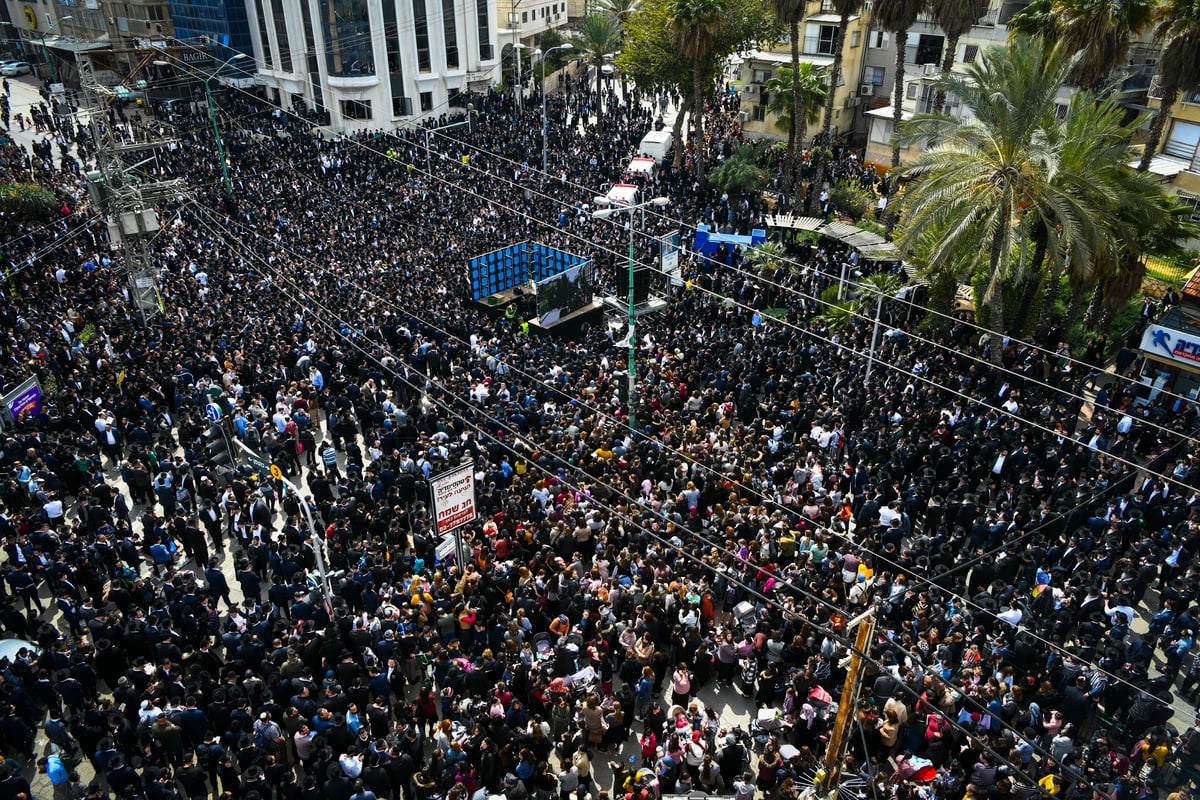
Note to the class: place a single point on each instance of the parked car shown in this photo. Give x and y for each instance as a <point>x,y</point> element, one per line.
<point>15,68</point>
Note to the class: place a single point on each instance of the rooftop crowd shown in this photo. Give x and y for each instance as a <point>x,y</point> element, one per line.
<point>619,585</point>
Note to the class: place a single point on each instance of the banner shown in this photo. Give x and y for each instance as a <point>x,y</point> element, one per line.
<point>669,257</point>
<point>454,498</point>
<point>26,398</point>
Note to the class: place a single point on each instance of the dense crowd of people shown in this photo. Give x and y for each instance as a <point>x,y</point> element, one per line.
<point>618,585</point>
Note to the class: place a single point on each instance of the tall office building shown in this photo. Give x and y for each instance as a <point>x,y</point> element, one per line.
<point>374,64</point>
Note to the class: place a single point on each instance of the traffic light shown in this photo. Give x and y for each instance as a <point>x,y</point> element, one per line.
<point>217,446</point>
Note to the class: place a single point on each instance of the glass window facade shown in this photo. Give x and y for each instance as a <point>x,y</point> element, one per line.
<point>347,26</point>
<point>450,29</point>
<point>224,22</point>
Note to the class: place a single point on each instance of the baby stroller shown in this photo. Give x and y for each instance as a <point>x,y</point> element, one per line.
<point>747,675</point>
<point>767,723</point>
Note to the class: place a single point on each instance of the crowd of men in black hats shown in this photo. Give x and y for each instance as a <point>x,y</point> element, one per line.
<point>769,492</point>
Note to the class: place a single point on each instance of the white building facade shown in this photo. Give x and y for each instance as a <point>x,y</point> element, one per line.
<point>374,64</point>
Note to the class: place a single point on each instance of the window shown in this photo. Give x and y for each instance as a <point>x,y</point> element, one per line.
<point>1191,201</point>
<point>347,25</point>
<point>524,17</point>
<point>421,29</point>
<point>855,38</point>
<point>1060,111</point>
<point>881,131</point>
<point>426,102</point>
<point>401,107</point>
<point>911,90</point>
<point>874,76</point>
<point>356,109</point>
<point>922,48</point>
<point>1184,138</point>
<point>970,53</point>
<point>281,36</point>
<point>880,40</point>
<point>450,32</point>
<point>758,113</point>
<point>261,12</point>
<point>392,37</point>
<point>819,39</point>
<point>485,30</point>
<point>761,76</point>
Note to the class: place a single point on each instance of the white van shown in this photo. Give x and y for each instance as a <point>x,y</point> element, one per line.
<point>656,144</point>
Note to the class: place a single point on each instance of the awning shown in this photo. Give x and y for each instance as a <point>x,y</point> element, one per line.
<point>886,113</point>
<point>793,222</point>
<point>839,230</point>
<point>830,18</point>
<point>864,239</point>
<point>883,252</point>
<point>1167,166</point>
<point>783,58</point>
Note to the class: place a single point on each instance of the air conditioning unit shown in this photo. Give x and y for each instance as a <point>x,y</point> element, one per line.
<point>744,116</point>
<point>931,70</point>
<point>866,90</point>
<point>852,102</point>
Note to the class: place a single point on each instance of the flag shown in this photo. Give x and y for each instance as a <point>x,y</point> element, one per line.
<point>121,377</point>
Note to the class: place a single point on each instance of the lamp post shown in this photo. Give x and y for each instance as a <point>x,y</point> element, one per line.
<point>545,141</point>
<point>46,50</point>
<point>212,115</point>
<point>517,48</point>
<point>607,210</point>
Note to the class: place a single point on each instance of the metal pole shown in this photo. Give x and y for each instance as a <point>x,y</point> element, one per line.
<point>49,60</point>
<point>874,339</point>
<point>212,115</point>
<point>545,141</point>
<point>842,280</point>
<point>632,341</point>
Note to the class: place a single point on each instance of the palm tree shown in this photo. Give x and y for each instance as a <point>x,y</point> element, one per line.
<point>1092,147</point>
<point>1099,30</point>
<point>694,26</point>
<point>955,18</point>
<point>1177,25</point>
<point>791,12</point>
<point>993,177</point>
<point>844,9</point>
<point>599,35</point>
<point>784,87</point>
<point>897,16</point>
<point>767,256</point>
<point>621,10</point>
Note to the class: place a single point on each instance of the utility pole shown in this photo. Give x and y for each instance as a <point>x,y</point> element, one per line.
<point>830,775</point>
<point>126,201</point>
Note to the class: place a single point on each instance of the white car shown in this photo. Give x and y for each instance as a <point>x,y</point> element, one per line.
<point>15,68</point>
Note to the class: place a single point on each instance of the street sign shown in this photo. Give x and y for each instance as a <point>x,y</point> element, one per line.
<point>454,498</point>
<point>276,472</point>
<point>258,462</point>
<point>213,411</point>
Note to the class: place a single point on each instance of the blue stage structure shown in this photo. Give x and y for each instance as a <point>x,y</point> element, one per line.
<point>501,271</point>
<point>707,241</point>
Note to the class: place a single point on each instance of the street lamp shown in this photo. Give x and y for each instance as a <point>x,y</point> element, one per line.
<point>545,56</point>
<point>46,50</point>
<point>607,210</point>
<point>212,116</point>
<point>517,48</point>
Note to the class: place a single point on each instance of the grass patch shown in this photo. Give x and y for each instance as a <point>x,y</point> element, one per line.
<point>778,312</point>
<point>1166,270</point>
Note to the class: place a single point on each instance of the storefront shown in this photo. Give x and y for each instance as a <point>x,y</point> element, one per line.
<point>1171,350</point>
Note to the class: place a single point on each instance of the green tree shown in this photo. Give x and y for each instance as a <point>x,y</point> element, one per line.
<point>782,89</point>
<point>791,13</point>
<point>739,174</point>
<point>651,58</point>
<point>599,36</point>
<point>1177,26</point>
<point>897,16</point>
<point>844,9</point>
<point>26,199</point>
<point>1099,30</point>
<point>622,11</point>
<point>993,176</point>
<point>955,18</point>
<point>694,25</point>
<point>767,256</point>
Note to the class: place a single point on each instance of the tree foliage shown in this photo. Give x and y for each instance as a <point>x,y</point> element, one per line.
<point>26,199</point>
<point>739,174</point>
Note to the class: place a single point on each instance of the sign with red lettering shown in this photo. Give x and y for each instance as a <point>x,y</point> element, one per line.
<point>454,498</point>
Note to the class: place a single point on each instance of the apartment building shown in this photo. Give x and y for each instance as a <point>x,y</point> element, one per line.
<point>818,34</point>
